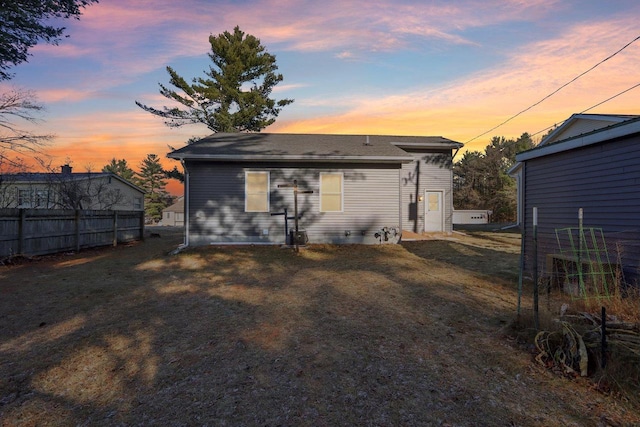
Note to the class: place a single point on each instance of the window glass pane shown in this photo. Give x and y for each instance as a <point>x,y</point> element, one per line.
<point>332,183</point>
<point>24,197</point>
<point>332,202</point>
<point>42,198</point>
<point>257,191</point>
<point>331,192</point>
<point>256,182</point>
<point>257,203</point>
<point>434,202</point>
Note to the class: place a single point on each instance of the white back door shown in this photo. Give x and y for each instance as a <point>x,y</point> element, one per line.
<point>433,211</point>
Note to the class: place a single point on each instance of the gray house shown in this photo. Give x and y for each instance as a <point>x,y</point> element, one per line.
<point>69,190</point>
<point>597,170</point>
<point>350,188</point>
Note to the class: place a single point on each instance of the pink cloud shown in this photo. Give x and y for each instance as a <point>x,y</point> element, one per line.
<point>115,30</point>
<point>68,95</point>
<point>131,38</point>
<point>134,38</point>
<point>467,107</point>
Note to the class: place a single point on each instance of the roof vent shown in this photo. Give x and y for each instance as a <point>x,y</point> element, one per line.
<point>367,141</point>
<point>66,169</point>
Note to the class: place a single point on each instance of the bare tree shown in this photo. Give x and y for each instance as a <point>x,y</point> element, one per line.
<point>57,190</point>
<point>86,190</point>
<point>17,106</point>
<point>8,178</point>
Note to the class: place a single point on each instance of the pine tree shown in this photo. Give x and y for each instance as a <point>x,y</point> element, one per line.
<point>235,94</point>
<point>152,181</point>
<point>481,180</point>
<point>122,169</point>
<point>24,23</point>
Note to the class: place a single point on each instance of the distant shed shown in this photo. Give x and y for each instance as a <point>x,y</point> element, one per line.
<point>471,216</point>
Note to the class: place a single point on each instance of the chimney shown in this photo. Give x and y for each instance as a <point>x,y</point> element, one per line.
<point>66,170</point>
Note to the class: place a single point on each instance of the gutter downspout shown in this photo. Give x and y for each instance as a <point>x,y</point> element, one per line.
<point>400,199</point>
<point>186,203</point>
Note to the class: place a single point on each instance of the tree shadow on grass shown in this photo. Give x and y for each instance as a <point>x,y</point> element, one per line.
<point>335,335</point>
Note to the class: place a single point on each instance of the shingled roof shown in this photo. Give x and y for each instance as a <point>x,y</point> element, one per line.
<point>310,147</point>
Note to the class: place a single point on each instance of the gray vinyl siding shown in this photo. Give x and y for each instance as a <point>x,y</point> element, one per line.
<point>429,171</point>
<point>216,204</point>
<point>604,180</point>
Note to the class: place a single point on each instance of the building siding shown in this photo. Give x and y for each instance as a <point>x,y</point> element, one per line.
<point>101,192</point>
<point>580,127</point>
<point>216,203</point>
<point>604,180</point>
<point>429,171</point>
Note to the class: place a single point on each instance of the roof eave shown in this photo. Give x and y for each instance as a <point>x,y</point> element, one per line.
<point>291,159</point>
<point>613,132</point>
<point>429,145</point>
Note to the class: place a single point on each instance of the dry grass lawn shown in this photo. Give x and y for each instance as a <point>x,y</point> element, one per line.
<point>396,335</point>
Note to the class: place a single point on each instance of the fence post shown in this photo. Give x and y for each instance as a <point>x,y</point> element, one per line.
<point>77,219</point>
<point>536,316</point>
<point>21,230</point>
<point>115,228</point>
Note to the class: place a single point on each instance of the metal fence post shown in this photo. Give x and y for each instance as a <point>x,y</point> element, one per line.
<point>536,316</point>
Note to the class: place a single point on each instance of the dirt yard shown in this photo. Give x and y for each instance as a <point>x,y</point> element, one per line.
<point>398,335</point>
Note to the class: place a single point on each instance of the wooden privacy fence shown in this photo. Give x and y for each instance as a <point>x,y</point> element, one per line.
<point>47,231</point>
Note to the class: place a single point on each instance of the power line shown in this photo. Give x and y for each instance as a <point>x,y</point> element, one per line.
<point>558,90</point>
<point>610,98</point>
<point>595,105</point>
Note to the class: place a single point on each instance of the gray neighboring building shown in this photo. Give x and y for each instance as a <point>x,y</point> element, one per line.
<point>351,187</point>
<point>577,124</point>
<point>69,190</point>
<point>598,171</point>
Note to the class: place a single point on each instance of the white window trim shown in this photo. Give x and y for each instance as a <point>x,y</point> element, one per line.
<point>341,191</point>
<point>137,203</point>
<point>41,198</point>
<point>268,190</point>
<point>20,200</point>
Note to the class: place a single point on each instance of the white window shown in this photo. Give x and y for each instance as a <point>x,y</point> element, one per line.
<point>42,199</point>
<point>24,198</point>
<point>137,203</point>
<point>331,190</point>
<point>256,191</point>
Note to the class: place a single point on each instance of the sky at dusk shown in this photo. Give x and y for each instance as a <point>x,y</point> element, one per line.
<point>434,68</point>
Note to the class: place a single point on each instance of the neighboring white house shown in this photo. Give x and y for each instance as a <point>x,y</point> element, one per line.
<point>174,214</point>
<point>68,190</point>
